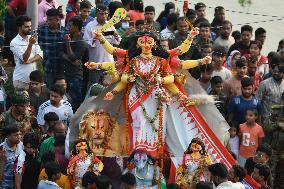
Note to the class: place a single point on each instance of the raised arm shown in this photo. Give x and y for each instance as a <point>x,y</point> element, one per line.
<point>187,64</point>
<point>108,47</point>
<point>184,47</point>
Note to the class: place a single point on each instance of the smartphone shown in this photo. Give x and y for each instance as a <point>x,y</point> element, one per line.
<point>131,24</point>
<point>106,33</point>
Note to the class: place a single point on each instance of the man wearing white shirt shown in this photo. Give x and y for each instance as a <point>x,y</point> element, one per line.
<point>55,104</point>
<point>26,53</point>
<point>96,51</point>
<point>168,32</point>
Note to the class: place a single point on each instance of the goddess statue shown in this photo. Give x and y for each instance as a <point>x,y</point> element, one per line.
<point>82,160</point>
<point>194,167</point>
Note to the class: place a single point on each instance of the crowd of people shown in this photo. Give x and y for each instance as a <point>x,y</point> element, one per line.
<point>247,84</point>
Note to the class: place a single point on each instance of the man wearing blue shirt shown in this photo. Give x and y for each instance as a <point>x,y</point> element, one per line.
<point>240,104</point>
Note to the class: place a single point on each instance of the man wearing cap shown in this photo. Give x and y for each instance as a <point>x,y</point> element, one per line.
<point>19,113</point>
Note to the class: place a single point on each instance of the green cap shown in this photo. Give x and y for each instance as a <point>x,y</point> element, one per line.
<point>96,89</point>
<point>21,97</point>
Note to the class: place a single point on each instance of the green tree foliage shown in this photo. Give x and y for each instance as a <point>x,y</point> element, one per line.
<point>245,2</point>
<point>2,9</point>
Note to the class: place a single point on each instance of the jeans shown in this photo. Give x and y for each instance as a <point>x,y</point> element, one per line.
<point>75,91</point>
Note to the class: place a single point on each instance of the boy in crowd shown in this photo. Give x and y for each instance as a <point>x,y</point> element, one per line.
<point>37,90</point>
<point>149,17</point>
<point>204,37</point>
<point>27,168</point>
<point>218,60</point>
<point>204,80</point>
<point>50,119</point>
<point>244,44</point>
<point>260,35</point>
<point>53,172</point>
<point>251,136</point>
<point>240,104</point>
<point>10,149</point>
<point>221,98</point>
<point>206,50</point>
<point>200,9</point>
<point>233,87</point>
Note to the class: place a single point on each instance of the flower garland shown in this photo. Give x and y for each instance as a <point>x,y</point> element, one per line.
<point>161,144</point>
<point>146,115</point>
<point>129,86</point>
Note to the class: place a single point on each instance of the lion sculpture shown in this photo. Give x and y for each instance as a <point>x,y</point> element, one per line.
<point>105,137</point>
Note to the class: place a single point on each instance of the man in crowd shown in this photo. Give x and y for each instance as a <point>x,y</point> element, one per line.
<point>38,92</point>
<point>48,144</point>
<point>168,32</point>
<point>219,174</point>
<point>237,174</point>
<point>240,104</point>
<point>180,36</point>
<point>270,90</point>
<point>50,37</point>
<point>96,52</point>
<point>233,86</point>
<point>85,11</point>
<point>219,17</point>
<point>10,149</point>
<point>225,39</point>
<point>244,44</point>
<point>27,168</point>
<point>43,7</point>
<point>19,114</point>
<point>56,104</point>
<point>72,60</point>
<point>26,53</point>
<point>149,17</point>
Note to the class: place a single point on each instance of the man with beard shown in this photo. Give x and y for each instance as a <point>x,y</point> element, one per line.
<point>225,39</point>
<point>180,36</point>
<point>240,104</point>
<point>56,104</point>
<point>27,168</point>
<point>270,90</point>
<point>219,175</point>
<point>26,53</point>
<point>232,86</point>
<point>19,114</point>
